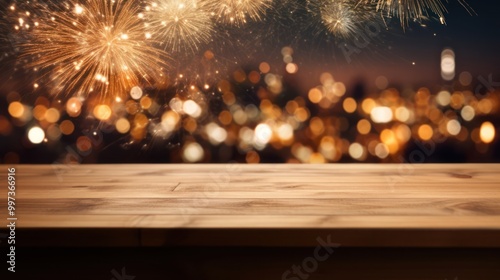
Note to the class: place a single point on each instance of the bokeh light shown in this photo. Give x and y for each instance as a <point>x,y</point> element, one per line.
<point>36,135</point>
<point>102,112</point>
<point>193,152</point>
<point>16,109</point>
<point>487,132</point>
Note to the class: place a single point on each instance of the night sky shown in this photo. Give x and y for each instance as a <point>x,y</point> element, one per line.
<point>474,38</point>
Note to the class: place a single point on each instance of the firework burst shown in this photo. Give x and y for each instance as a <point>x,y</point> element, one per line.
<point>94,46</point>
<point>343,18</point>
<point>238,12</point>
<point>411,10</point>
<point>179,24</point>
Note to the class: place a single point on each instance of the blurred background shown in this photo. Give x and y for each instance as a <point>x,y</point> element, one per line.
<point>283,82</point>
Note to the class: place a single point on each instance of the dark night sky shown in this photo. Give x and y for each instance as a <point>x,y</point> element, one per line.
<point>475,40</point>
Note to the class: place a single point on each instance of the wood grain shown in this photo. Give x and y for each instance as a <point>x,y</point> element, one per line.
<point>388,198</point>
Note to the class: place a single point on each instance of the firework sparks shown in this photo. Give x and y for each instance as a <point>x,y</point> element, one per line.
<point>5,35</point>
<point>407,10</point>
<point>4,39</point>
<point>342,18</point>
<point>238,12</point>
<point>181,24</point>
<point>94,46</point>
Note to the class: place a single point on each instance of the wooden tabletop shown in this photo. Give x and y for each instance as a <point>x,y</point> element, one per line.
<point>360,205</point>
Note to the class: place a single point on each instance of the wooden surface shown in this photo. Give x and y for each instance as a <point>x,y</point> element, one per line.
<point>362,205</point>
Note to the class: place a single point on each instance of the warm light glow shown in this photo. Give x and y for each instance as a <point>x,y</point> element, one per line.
<point>468,113</point>
<point>67,127</point>
<point>192,108</point>
<point>225,117</point>
<point>140,120</point>
<point>453,127</point>
<point>457,100</point>
<point>443,98</point>
<point>176,105</point>
<point>78,9</point>
<point>169,121</point>
<point>485,106</point>
<point>73,107</point>
<point>264,67</point>
<point>381,114</point>
<point>364,126</point>
<point>403,133</point>
<point>252,157</point>
<point>193,152</point>
<point>356,151</point>
<point>136,93</point>
<point>83,144</point>
<point>39,112</point>
<point>122,125</point>
<point>402,114</point>
<point>327,147</point>
<point>146,102</point>
<point>285,132</point>
<point>315,95</point>
<point>301,114</point>
<point>316,158</point>
<point>53,132</point>
<point>292,68</point>
<point>36,135</point>
<point>350,105</point>
<point>316,125</point>
<point>425,132</point>
<point>263,134</point>
<point>487,132</point>
<point>216,134</point>
<point>102,112</point>
<point>388,137</point>
<point>381,150</point>
<point>52,115</point>
<point>368,105</point>
<point>448,64</point>
<point>16,109</point>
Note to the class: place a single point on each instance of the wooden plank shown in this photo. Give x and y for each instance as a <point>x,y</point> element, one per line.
<point>186,220</point>
<point>244,206</point>
<point>457,201</point>
<point>270,173</point>
<point>96,192</point>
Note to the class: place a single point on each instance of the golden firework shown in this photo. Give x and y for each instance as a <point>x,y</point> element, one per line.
<point>179,24</point>
<point>98,46</point>
<point>238,12</point>
<point>339,17</point>
<point>411,10</point>
<point>343,18</point>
